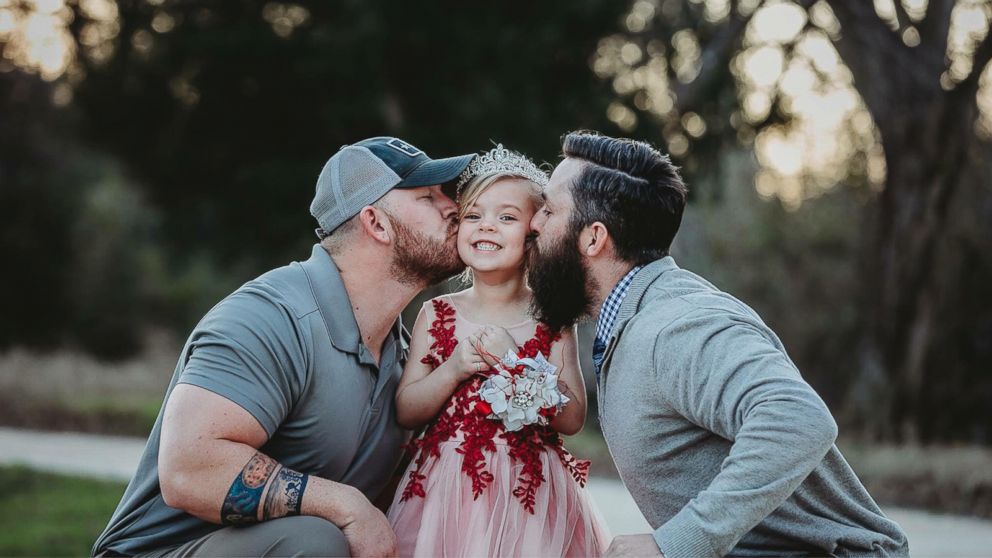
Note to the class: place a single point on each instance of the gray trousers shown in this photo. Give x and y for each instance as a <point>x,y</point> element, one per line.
<point>301,535</point>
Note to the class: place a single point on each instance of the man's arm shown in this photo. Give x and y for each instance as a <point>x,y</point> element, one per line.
<point>738,384</point>
<point>209,466</point>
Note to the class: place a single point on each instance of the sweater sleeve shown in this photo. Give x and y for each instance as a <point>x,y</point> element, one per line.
<point>732,378</point>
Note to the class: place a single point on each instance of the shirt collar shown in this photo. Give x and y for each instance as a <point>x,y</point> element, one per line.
<point>611,306</point>
<point>335,306</point>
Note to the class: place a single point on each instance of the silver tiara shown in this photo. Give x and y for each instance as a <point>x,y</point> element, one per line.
<point>500,160</point>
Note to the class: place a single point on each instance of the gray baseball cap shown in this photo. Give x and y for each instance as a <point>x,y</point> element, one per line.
<point>361,173</point>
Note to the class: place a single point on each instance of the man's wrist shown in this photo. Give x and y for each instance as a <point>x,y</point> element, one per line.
<point>338,503</point>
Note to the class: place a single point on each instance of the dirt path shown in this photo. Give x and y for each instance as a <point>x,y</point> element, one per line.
<point>116,458</point>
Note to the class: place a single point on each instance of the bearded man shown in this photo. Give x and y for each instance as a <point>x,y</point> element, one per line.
<point>723,446</point>
<point>278,429</point>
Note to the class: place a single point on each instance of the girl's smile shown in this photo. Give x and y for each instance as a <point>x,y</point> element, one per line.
<point>493,231</point>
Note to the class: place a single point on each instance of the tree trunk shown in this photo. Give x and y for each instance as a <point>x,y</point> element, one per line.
<point>928,293</point>
<point>927,265</point>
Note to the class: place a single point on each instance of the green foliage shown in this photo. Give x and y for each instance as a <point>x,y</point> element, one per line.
<point>52,515</point>
<point>32,231</point>
<point>228,117</point>
<point>109,234</point>
<point>85,263</point>
<point>181,170</point>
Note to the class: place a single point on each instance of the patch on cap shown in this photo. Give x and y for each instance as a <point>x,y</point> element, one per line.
<point>403,147</point>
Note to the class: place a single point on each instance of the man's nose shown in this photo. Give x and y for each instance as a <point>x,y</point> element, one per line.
<point>537,222</point>
<point>446,205</point>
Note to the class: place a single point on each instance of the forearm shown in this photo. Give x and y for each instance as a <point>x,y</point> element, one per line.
<point>232,483</point>
<point>332,501</point>
<point>733,379</point>
<point>777,447</point>
<point>420,401</point>
<point>196,478</point>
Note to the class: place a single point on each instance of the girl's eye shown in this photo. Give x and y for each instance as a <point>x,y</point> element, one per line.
<point>507,218</point>
<point>470,217</point>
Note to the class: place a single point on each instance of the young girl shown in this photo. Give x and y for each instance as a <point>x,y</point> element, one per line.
<point>474,488</point>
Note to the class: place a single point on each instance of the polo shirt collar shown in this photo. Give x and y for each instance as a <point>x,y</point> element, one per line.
<point>335,306</point>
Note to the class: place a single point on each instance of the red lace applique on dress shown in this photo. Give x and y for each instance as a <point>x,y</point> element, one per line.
<point>465,412</point>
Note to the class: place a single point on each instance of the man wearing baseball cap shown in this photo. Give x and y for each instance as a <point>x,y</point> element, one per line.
<point>278,427</point>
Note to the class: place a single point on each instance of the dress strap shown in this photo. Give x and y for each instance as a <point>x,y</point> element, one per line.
<point>442,330</point>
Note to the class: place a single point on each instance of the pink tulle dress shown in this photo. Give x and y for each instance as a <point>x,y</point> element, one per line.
<point>474,489</point>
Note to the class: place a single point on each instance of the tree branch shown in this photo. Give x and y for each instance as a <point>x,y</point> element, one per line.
<point>714,59</point>
<point>883,67</point>
<point>902,18</point>
<point>934,30</point>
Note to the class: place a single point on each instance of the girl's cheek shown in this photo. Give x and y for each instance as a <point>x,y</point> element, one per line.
<point>462,242</point>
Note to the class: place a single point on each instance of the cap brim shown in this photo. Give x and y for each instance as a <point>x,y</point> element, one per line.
<point>437,171</point>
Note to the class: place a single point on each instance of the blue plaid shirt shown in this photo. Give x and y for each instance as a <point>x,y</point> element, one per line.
<point>608,317</point>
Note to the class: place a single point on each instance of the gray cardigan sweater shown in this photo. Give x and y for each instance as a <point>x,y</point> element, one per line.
<point>723,446</point>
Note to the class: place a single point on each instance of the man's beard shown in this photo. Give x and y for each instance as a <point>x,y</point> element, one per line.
<point>560,282</point>
<point>421,260</point>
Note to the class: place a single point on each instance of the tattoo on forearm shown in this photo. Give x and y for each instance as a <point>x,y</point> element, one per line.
<point>241,503</point>
<point>285,494</point>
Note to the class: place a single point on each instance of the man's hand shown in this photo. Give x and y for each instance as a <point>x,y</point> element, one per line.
<point>369,534</point>
<point>633,545</point>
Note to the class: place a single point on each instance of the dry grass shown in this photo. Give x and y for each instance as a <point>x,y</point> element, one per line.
<point>66,390</point>
<point>954,479</point>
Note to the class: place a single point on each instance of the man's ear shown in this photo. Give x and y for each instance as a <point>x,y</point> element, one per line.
<point>375,224</point>
<point>594,239</point>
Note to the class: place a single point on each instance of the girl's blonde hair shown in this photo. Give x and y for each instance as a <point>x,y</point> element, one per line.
<point>478,185</point>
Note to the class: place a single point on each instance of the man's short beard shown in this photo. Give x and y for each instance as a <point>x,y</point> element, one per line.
<point>563,290</point>
<point>420,260</point>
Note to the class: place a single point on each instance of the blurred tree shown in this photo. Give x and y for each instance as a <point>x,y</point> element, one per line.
<point>227,109</point>
<point>74,236</point>
<point>907,94</point>
<point>797,267</point>
<point>34,309</point>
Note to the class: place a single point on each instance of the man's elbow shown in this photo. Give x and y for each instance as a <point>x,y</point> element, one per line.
<point>824,428</point>
<point>173,493</point>
<point>175,484</point>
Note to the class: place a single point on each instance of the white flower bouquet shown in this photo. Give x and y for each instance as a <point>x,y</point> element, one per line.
<point>523,391</point>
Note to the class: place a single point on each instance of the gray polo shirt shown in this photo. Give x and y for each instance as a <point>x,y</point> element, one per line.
<point>287,349</point>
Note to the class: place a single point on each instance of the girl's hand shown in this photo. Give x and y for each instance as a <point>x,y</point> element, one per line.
<point>495,343</point>
<point>466,359</point>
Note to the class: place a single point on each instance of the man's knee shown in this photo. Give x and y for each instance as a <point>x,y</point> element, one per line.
<point>307,535</point>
